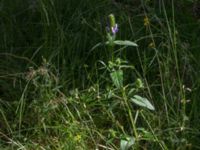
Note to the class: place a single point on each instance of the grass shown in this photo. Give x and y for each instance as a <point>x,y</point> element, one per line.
<point>63,88</point>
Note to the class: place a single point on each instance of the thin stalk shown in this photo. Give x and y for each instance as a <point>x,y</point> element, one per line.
<point>162,145</point>
<point>172,35</point>
<point>130,114</point>
<point>161,74</point>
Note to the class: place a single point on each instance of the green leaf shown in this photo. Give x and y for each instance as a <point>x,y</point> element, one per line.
<point>146,135</point>
<point>143,102</point>
<point>117,78</point>
<point>125,43</point>
<point>95,46</point>
<point>125,144</point>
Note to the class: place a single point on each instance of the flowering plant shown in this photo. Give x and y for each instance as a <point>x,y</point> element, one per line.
<point>112,32</point>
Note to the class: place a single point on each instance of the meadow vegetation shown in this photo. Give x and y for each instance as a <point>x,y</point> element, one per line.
<point>99,75</point>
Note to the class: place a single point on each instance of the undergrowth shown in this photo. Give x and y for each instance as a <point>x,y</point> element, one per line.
<point>99,75</point>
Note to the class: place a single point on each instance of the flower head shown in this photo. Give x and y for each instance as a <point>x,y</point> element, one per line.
<point>111,29</point>
<point>146,21</point>
<point>113,25</point>
<point>112,20</point>
<point>114,29</point>
<point>152,45</point>
<point>77,138</point>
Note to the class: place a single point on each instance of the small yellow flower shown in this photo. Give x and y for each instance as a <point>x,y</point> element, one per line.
<point>146,21</point>
<point>77,138</point>
<point>152,45</point>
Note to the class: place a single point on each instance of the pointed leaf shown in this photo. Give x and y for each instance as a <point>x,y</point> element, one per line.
<point>125,43</point>
<point>146,135</point>
<point>117,78</point>
<point>143,102</point>
<point>125,144</point>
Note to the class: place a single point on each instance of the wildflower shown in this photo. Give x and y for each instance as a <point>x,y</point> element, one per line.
<point>146,21</point>
<point>152,45</point>
<point>112,29</point>
<point>113,24</point>
<point>115,29</point>
<point>77,138</point>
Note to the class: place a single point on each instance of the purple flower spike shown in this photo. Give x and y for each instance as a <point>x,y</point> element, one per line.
<point>115,29</point>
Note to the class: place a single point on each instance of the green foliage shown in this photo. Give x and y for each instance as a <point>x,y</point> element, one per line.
<point>117,78</point>
<point>74,77</point>
<point>143,102</point>
<point>125,43</point>
<point>125,144</point>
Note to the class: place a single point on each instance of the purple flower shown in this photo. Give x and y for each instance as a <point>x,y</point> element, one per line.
<point>115,29</point>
